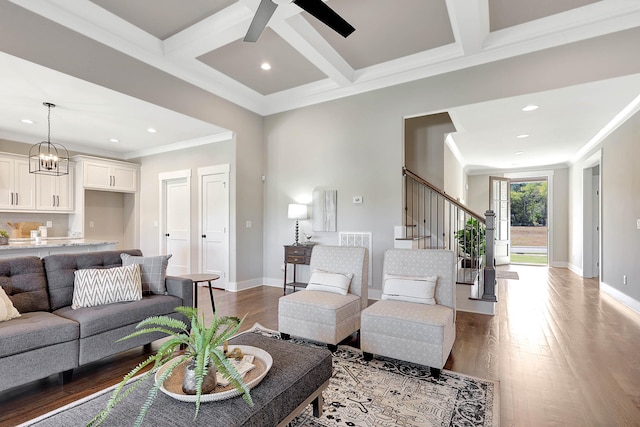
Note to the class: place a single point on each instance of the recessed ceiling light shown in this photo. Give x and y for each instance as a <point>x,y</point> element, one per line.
<point>151,130</point>
<point>530,108</point>
<point>519,153</point>
<point>524,135</point>
<point>114,140</point>
<point>265,66</point>
<point>27,121</point>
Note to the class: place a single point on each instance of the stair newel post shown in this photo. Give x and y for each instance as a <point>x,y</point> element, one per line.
<point>489,292</point>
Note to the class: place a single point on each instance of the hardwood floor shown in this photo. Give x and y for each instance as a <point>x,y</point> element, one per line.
<point>564,353</point>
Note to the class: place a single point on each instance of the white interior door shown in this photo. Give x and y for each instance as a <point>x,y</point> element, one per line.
<point>214,193</point>
<point>500,200</point>
<point>178,226</point>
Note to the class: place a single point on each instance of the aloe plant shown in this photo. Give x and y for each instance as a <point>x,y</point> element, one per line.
<point>201,343</point>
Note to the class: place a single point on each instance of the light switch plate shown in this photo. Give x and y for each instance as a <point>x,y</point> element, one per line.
<point>638,224</point>
<point>357,199</point>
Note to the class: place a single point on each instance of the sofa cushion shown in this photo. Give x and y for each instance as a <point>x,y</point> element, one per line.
<point>7,310</point>
<point>24,281</point>
<point>35,330</point>
<point>153,271</point>
<point>94,286</point>
<point>95,320</point>
<point>61,270</point>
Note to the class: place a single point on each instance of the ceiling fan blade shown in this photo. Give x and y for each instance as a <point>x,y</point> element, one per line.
<point>326,15</point>
<point>260,20</point>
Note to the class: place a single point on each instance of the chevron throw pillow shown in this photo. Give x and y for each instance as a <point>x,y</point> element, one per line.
<point>93,287</point>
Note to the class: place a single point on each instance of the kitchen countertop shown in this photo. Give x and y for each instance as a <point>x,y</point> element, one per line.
<point>53,242</point>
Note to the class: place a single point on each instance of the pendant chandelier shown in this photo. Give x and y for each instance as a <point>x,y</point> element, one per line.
<point>48,158</point>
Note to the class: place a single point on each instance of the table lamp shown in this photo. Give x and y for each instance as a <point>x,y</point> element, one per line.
<point>297,212</point>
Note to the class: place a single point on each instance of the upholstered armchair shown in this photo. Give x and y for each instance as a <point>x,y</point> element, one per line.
<point>328,310</point>
<point>415,319</point>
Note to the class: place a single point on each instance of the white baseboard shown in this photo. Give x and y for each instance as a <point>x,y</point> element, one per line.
<point>243,286</point>
<point>621,297</point>
<point>575,269</point>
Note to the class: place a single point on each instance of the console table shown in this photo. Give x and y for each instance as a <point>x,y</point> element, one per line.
<point>296,255</point>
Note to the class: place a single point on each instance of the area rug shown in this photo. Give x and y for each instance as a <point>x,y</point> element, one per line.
<point>507,274</point>
<point>387,392</point>
<point>384,393</point>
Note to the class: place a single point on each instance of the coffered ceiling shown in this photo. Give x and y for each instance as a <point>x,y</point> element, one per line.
<point>396,41</point>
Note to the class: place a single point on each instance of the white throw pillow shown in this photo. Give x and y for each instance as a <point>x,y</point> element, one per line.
<point>412,289</point>
<point>7,310</point>
<point>92,287</point>
<point>153,272</point>
<point>326,281</point>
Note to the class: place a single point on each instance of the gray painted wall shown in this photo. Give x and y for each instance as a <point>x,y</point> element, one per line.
<point>620,209</point>
<point>424,147</point>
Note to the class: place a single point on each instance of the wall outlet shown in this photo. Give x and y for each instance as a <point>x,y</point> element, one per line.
<point>638,224</point>
<point>624,279</point>
<point>91,224</point>
<point>50,223</point>
<point>249,224</point>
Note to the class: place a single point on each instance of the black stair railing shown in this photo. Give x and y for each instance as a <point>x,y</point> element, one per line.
<point>435,220</point>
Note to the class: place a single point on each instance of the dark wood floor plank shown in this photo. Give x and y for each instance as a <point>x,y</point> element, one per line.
<point>564,353</point>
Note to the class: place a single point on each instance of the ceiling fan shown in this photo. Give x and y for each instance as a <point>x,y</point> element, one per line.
<point>317,8</point>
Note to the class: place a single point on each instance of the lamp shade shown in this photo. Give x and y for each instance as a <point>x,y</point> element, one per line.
<point>297,211</point>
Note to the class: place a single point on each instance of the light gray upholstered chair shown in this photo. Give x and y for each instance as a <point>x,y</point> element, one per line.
<point>325,316</point>
<point>410,331</point>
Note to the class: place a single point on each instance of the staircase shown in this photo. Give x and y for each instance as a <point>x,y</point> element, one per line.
<point>434,220</point>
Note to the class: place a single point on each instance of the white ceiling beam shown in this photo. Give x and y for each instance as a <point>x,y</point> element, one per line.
<point>594,20</point>
<point>305,39</point>
<point>92,21</point>
<point>470,23</point>
<point>220,29</point>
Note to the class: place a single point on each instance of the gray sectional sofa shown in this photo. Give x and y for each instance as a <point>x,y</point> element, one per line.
<point>50,337</point>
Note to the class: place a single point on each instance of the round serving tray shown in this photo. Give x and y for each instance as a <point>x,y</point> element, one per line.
<point>173,385</point>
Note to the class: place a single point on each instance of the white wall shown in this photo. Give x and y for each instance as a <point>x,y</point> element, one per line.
<point>454,176</point>
<point>424,147</point>
<point>620,210</point>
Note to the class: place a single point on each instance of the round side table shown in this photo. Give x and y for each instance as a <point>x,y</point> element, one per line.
<point>200,278</point>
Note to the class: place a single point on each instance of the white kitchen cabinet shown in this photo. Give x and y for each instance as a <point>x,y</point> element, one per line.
<point>109,176</point>
<point>55,193</point>
<point>17,185</point>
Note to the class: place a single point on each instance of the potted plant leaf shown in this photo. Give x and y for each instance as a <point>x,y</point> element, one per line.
<point>472,242</point>
<point>202,349</point>
<point>4,238</point>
